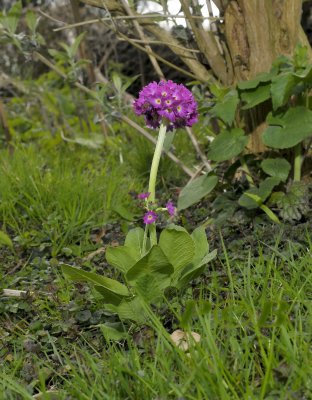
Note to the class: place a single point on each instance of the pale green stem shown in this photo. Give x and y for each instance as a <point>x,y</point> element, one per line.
<point>153,176</point>
<point>297,163</point>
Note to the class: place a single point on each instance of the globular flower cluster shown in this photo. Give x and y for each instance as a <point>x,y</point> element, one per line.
<point>166,102</point>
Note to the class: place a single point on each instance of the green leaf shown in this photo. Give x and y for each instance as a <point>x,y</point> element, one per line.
<point>288,129</point>
<point>10,21</point>
<point>134,240</point>
<point>155,261</point>
<point>294,203</point>
<point>32,21</point>
<point>281,89</point>
<point>270,214</point>
<point>117,81</point>
<point>113,331</point>
<point>133,310</point>
<point>121,257</point>
<point>227,144</point>
<point>5,240</point>
<point>79,275</point>
<point>75,46</point>
<point>201,244</point>
<point>225,108</point>
<point>276,167</point>
<point>178,246</point>
<point>152,285</point>
<point>192,271</point>
<point>108,296</point>
<point>258,195</point>
<point>196,190</point>
<point>256,96</point>
<point>253,83</point>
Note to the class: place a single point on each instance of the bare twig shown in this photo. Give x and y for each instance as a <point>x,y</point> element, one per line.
<point>124,17</point>
<point>127,120</point>
<point>197,148</point>
<point>167,44</point>
<point>144,40</point>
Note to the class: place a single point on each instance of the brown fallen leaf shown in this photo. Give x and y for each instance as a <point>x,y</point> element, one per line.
<point>183,339</point>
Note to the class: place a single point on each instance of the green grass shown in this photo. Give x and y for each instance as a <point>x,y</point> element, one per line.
<point>253,314</point>
<point>53,197</point>
<point>255,326</point>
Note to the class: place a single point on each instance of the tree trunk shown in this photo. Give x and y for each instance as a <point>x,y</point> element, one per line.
<point>252,34</point>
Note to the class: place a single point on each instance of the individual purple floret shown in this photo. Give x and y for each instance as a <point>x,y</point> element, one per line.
<point>144,196</point>
<point>166,102</point>
<point>150,217</point>
<point>170,208</point>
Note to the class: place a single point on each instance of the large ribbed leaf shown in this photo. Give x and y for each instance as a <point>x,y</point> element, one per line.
<point>178,246</point>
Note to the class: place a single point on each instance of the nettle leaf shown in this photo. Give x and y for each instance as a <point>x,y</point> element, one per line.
<point>281,88</point>
<point>293,204</point>
<point>111,285</point>
<point>288,129</point>
<point>255,96</point>
<point>225,108</point>
<point>155,261</point>
<point>227,144</point>
<point>276,167</point>
<point>253,83</point>
<point>178,246</point>
<point>259,195</point>
<point>196,190</point>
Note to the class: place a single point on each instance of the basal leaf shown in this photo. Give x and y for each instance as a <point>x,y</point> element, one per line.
<point>297,122</point>
<point>201,244</point>
<point>121,257</point>
<point>108,296</point>
<point>133,310</point>
<point>155,261</point>
<point>178,246</point>
<point>79,275</point>
<point>134,240</point>
<point>193,270</point>
<point>227,144</point>
<point>277,167</point>
<point>196,190</point>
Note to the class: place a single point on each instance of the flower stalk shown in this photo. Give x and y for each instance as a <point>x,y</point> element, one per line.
<point>153,176</point>
<point>297,162</point>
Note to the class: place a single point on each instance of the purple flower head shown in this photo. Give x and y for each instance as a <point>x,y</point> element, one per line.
<point>150,217</point>
<point>167,102</point>
<point>144,196</point>
<point>170,208</point>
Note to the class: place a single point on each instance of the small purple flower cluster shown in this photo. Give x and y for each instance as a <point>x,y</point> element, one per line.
<point>151,216</point>
<point>167,102</point>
